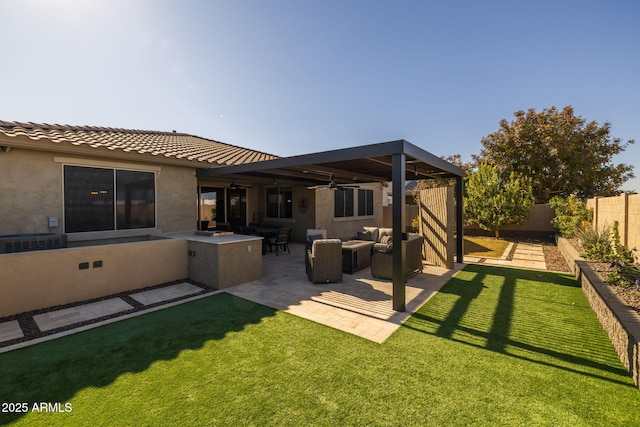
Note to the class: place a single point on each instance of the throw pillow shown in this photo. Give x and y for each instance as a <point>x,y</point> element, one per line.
<point>374,232</point>
<point>363,235</point>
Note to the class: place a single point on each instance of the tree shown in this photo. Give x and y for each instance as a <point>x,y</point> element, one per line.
<point>493,202</point>
<point>562,154</point>
<point>572,215</point>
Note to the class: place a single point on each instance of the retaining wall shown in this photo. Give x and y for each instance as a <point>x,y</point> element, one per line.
<point>621,323</point>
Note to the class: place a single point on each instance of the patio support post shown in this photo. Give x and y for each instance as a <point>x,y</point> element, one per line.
<point>459,218</point>
<point>398,175</point>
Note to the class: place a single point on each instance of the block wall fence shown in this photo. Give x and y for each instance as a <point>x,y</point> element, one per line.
<point>625,209</point>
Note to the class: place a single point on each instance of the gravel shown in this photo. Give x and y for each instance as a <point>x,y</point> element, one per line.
<point>554,259</point>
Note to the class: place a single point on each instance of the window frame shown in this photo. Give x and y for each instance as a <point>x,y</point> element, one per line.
<point>368,207</point>
<point>115,200</point>
<point>347,207</point>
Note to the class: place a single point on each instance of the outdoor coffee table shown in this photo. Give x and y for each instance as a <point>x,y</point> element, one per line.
<point>356,255</point>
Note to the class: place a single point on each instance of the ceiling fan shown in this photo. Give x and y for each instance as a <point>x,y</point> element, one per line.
<point>332,185</point>
<point>234,186</point>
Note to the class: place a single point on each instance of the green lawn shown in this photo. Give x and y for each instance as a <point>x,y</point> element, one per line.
<point>484,246</point>
<point>496,346</point>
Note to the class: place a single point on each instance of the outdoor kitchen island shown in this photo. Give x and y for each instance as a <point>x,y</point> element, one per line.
<point>221,260</point>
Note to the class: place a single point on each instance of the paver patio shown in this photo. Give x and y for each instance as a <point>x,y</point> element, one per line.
<point>10,330</point>
<point>166,293</point>
<point>69,316</point>
<point>360,304</point>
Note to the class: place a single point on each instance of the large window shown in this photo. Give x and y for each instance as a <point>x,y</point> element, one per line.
<point>365,202</point>
<point>343,202</point>
<point>98,199</point>
<point>279,203</point>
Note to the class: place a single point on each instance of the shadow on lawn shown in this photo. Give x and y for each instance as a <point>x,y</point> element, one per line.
<point>57,370</point>
<point>569,344</point>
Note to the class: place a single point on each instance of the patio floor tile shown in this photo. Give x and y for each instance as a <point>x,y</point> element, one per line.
<point>10,330</point>
<point>165,293</point>
<point>360,304</point>
<point>69,316</point>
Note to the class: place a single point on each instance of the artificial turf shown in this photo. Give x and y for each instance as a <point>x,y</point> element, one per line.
<point>496,346</point>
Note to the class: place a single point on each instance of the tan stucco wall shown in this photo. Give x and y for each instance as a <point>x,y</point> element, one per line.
<point>301,221</point>
<point>224,265</point>
<point>625,209</point>
<point>40,279</point>
<point>31,190</point>
<point>346,227</point>
<point>177,199</point>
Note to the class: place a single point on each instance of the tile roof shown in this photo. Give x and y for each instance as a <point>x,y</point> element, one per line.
<point>164,144</point>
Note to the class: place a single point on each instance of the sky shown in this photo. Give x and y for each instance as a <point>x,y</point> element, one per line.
<point>292,77</point>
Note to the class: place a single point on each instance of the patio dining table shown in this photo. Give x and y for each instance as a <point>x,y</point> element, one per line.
<point>265,233</point>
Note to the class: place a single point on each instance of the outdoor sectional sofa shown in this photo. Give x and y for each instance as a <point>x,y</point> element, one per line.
<point>381,258</point>
<point>372,246</point>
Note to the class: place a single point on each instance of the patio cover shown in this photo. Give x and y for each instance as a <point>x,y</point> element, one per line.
<point>394,161</point>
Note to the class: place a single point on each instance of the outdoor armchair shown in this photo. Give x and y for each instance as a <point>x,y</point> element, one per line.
<point>324,261</point>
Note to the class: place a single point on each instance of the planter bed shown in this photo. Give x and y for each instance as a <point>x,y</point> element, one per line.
<point>621,321</point>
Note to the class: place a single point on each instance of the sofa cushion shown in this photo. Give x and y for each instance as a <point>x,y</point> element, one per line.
<point>381,247</point>
<point>374,232</point>
<point>364,235</point>
<point>385,245</point>
<point>384,232</point>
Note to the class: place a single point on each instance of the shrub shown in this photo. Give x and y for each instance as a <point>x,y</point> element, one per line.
<point>627,268</point>
<point>596,243</point>
<point>618,251</point>
<point>627,274</point>
<point>571,215</point>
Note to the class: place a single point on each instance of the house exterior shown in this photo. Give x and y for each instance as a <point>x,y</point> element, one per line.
<point>141,191</point>
<point>98,184</point>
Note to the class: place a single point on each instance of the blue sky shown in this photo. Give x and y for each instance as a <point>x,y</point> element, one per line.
<point>294,77</point>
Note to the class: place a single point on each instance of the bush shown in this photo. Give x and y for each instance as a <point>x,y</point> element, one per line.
<point>620,253</point>
<point>596,243</point>
<point>571,215</point>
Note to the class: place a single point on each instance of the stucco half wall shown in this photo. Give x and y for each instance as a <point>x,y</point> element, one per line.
<point>40,279</point>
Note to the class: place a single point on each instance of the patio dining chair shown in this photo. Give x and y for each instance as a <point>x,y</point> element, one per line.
<point>280,240</point>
